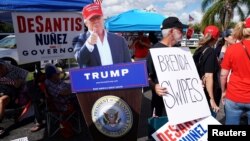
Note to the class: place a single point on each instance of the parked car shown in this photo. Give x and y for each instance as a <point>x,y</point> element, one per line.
<point>192,42</point>
<point>8,52</point>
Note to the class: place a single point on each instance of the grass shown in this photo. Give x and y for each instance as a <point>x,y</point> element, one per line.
<point>192,50</point>
<point>30,76</point>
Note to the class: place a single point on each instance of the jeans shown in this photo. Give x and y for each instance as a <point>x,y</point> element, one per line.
<point>234,110</point>
<point>213,114</point>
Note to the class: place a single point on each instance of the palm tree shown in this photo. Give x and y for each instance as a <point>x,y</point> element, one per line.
<point>221,12</point>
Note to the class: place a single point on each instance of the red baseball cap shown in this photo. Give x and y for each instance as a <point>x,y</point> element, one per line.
<point>247,23</point>
<point>213,30</point>
<point>91,10</point>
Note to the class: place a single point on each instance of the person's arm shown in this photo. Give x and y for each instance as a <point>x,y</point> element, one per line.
<point>226,68</point>
<point>160,91</point>
<point>209,81</point>
<point>223,82</point>
<point>82,49</point>
<point>151,74</point>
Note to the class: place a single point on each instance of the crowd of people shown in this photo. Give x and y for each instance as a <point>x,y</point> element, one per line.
<point>222,61</point>
<point>228,61</point>
<point>213,67</point>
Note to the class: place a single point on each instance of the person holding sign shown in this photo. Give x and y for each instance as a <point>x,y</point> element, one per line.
<point>208,67</point>
<point>172,34</point>
<point>97,47</point>
<point>236,91</point>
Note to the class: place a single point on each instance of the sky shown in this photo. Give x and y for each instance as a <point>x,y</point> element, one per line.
<point>178,8</point>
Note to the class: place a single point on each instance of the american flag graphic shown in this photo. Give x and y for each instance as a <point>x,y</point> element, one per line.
<point>98,1</point>
<point>190,18</point>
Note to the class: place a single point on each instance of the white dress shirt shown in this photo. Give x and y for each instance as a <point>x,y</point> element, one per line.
<point>103,48</point>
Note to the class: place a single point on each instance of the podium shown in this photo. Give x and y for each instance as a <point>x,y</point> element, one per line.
<point>110,99</point>
<point>130,96</point>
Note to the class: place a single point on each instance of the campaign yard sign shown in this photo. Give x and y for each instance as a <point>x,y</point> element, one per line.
<point>46,35</point>
<point>196,130</point>
<point>21,139</point>
<point>176,71</point>
<point>118,76</point>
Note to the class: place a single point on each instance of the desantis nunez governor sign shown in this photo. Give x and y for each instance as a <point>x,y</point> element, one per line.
<point>46,35</point>
<point>118,76</point>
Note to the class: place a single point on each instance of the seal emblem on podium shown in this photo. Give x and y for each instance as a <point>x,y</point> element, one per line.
<point>112,116</point>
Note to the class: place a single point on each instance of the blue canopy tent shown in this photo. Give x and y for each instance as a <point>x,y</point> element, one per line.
<point>134,20</point>
<point>43,5</point>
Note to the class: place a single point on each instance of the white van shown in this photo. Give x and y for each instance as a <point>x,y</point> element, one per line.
<point>192,42</point>
<point>8,51</point>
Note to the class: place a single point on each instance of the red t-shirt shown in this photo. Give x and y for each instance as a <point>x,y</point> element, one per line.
<point>141,51</point>
<point>236,60</point>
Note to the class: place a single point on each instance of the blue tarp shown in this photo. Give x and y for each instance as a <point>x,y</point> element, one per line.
<point>43,5</point>
<point>135,20</point>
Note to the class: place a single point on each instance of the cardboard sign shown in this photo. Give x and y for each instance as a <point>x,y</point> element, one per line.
<point>21,139</point>
<point>119,76</point>
<point>176,71</point>
<point>196,130</point>
<point>46,35</point>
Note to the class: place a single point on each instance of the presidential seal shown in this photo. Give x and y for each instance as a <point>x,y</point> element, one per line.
<point>112,116</point>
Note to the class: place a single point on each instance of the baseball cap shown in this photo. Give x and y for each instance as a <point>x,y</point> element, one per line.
<point>247,23</point>
<point>213,30</point>
<point>50,70</point>
<point>91,10</point>
<point>226,33</point>
<point>171,22</point>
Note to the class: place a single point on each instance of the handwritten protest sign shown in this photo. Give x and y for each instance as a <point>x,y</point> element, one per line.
<point>196,130</point>
<point>176,71</point>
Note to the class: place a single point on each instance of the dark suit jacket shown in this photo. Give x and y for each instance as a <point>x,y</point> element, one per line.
<point>85,58</point>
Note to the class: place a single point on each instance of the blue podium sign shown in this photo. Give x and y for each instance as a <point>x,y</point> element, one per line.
<point>118,76</point>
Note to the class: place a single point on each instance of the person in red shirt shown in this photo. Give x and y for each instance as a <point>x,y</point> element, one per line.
<point>141,47</point>
<point>236,91</point>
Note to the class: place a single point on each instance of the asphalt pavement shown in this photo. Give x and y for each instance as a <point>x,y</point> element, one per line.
<point>22,129</point>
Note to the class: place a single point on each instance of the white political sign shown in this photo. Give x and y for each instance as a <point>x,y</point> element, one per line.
<point>21,139</point>
<point>196,130</point>
<point>176,71</point>
<point>46,35</point>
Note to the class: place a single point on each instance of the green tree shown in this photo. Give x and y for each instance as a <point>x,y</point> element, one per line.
<point>221,12</point>
<point>6,28</point>
<point>197,28</point>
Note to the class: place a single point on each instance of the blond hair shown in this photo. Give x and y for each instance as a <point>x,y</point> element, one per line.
<point>240,32</point>
<point>206,39</point>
